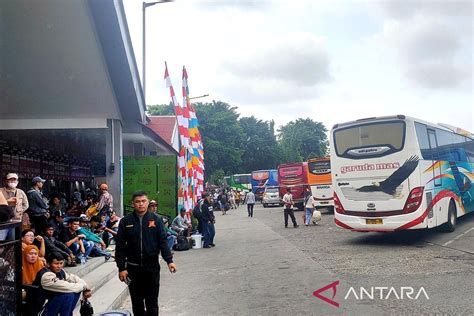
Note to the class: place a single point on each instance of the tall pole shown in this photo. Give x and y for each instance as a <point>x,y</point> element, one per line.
<point>144,52</point>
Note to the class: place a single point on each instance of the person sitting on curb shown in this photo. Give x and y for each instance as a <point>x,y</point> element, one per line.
<point>75,241</point>
<point>181,225</point>
<point>57,220</point>
<point>28,238</point>
<point>171,235</point>
<point>52,244</point>
<point>30,264</point>
<point>103,227</point>
<point>98,245</point>
<point>153,206</point>
<point>62,289</point>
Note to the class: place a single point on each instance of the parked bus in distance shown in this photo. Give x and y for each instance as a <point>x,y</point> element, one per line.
<point>293,176</point>
<point>241,182</point>
<point>397,173</point>
<point>320,181</point>
<point>261,179</point>
<point>226,181</point>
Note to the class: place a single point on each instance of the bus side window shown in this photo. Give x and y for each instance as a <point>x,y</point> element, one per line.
<point>423,141</point>
<point>434,156</point>
<point>468,147</point>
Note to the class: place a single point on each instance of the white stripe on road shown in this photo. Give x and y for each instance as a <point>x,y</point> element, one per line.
<point>458,236</point>
<point>467,231</point>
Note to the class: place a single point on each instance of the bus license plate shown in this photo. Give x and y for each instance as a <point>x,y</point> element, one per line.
<point>369,221</point>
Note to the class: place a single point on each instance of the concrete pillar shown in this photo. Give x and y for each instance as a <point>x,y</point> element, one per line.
<point>114,154</point>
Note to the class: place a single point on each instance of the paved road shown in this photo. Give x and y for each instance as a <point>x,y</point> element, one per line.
<point>441,263</point>
<point>261,268</point>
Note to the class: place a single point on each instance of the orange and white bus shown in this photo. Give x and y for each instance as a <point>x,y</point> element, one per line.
<point>320,181</point>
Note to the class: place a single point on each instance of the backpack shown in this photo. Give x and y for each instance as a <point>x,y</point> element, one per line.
<point>86,308</point>
<point>182,244</point>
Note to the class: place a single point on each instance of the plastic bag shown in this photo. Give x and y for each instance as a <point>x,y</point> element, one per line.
<point>316,218</point>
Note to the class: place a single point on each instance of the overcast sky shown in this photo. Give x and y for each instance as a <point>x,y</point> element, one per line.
<point>332,61</point>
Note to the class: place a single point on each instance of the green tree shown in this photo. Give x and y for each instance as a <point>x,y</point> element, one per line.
<point>261,150</point>
<point>217,177</point>
<point>160,109</point>
<point>302,139</point>
<point>222,137</point>
<point>220,131</point>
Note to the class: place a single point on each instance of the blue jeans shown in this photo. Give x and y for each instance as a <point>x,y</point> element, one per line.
<point>98,252</point>
<point>309,214</point>
<point>62,304</point>
<point>88,246</point>
<point>205,233</point>
<point>171,239</point>
<point>212,232</point>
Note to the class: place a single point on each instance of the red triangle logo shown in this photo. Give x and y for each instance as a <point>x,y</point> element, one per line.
<point>332,286</point>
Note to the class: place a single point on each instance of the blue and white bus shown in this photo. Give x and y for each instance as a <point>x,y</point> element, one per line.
<point>396,173</point>
<point>262,179</point>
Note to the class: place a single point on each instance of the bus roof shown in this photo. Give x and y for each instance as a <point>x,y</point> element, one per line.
<point>445,127</point>
<point>291,164</point>
<point>264,170</point>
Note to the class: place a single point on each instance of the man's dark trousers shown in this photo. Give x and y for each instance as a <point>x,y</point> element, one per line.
<point>144,286</point>
<point>206,233</point>
<point>290,212</point>
<point>250,209</point>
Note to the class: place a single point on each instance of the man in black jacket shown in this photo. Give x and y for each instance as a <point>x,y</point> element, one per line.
<point>54,245</point>
<point>208,221</point>
<point>140,239</point>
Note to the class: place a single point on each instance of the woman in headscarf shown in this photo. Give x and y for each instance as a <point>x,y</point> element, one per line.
<point>28,238</point>
<point>31,264</point>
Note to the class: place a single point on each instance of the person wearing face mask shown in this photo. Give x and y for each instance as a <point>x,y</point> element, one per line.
<point>16,199</point>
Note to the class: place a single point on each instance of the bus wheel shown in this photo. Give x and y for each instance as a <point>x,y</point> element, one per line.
<point>450,225</point>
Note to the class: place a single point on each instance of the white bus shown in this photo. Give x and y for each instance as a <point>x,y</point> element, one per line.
<point>396,173</point>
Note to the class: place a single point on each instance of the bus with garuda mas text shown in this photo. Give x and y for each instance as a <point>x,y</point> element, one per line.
<point>293,176</point>
<point>397,173</point>
<point>240,182</point>
<point>320,182</point>
<point>261,179</point>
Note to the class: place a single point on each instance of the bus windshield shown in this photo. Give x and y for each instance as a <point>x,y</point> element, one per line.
<point>291,171</point>
<point>262,175</point>
<point>319,167</point>
<point>242,179</point>
<point>374,139</point>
